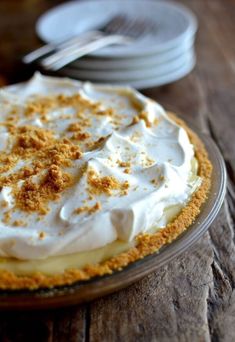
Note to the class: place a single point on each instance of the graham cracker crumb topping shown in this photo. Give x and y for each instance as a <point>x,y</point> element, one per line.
<point>144,116</point>
<point>42,235</point>
<point>35,197</point>
<point>19,223</point>
<point>105,185</point>
<point>89,210</point>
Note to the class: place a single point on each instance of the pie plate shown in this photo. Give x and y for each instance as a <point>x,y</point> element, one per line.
<point>84,291</point>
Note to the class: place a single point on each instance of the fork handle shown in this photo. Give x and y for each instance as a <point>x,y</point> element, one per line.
<point>47,48</point>
<point>34,55</point>
<point>73,52</point>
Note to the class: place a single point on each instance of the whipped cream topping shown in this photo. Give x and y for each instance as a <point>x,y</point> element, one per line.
<point>135,164</point>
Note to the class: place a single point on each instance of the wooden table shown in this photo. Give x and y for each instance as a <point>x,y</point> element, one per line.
<point>193,297</point>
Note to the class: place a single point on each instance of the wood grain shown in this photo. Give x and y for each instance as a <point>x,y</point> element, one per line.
<point>193,297</point>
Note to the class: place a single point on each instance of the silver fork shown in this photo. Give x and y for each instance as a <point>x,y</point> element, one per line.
<point>82,38</point>
<point>119,30</point>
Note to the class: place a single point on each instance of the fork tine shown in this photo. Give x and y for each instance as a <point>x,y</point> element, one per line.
<point>115,24</point>
<point>132,27</point>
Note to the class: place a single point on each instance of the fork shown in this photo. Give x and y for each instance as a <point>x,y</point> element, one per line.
<point>108,27</point>
<point>120,29</point>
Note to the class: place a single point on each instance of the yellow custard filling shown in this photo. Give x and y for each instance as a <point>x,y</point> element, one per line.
<point>59,264</point>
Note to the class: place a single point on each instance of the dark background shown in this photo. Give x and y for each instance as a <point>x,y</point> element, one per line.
<point>17,35</point>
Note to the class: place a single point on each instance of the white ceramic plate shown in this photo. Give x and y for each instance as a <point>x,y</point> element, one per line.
<point>173,22</point>
<point>101,63</point>
<point>122,75</point>
<point>145,83</point>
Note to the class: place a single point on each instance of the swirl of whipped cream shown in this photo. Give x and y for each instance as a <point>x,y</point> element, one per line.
<point>144,154</point>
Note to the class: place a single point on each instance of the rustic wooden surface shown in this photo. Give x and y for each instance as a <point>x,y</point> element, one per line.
<point>193,297</point>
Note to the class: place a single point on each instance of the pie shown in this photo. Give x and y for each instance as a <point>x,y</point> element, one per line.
<point>92,179</point>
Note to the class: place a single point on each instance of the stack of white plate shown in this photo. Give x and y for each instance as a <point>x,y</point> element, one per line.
<point>152,60</point>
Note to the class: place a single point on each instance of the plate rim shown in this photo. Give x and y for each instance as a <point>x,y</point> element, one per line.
<point>148,83</point>
<point>138,62</point>
<point>158,70</point>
